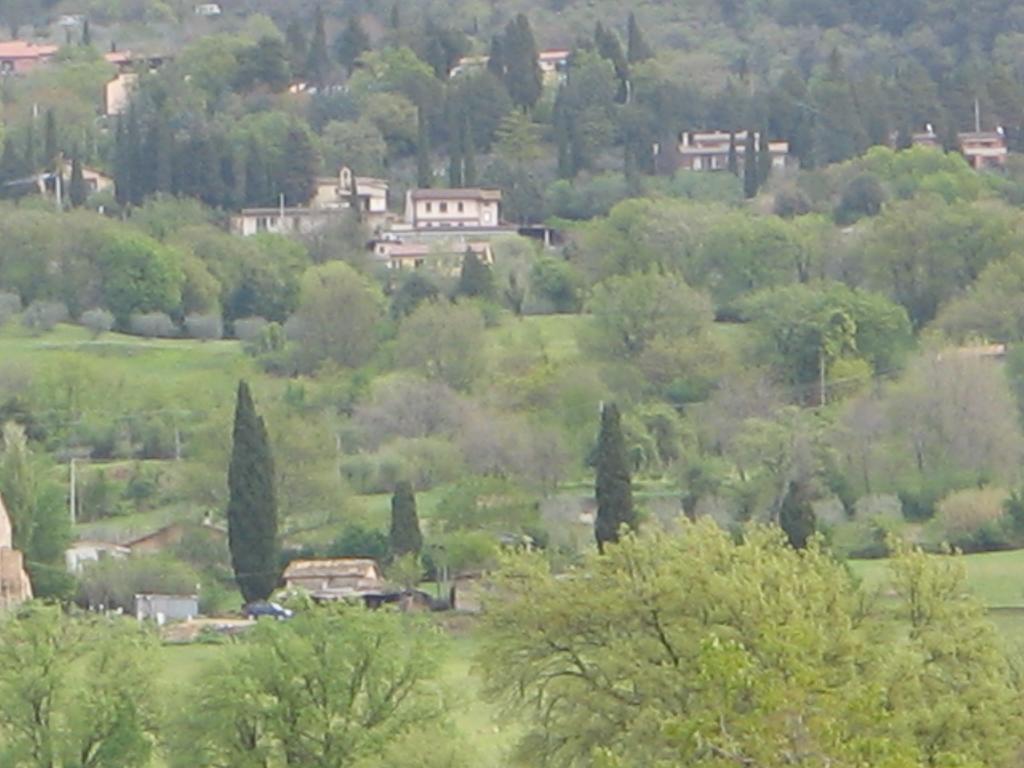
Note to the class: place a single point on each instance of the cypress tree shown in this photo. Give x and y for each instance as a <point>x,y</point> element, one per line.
<point>496,60</point>
<point>637,48</point>
<point>424,173</point>
<point>122,165</point>
<point>455,172</point>
<point>10,171</point>
<point>50,149</point>
<point>750,166</point>
<point>796,515</point>
<point>475,277</point>
<point>764,159</point>
<point>297,180</point>
<point>258,190</point>
<point>318,64</point>
<point>469,174</point>
<point>86,33</point>
<point>30,161</point>
<point>396,16</point>
<point>613,487</point>
<point>405,536</point>
<point>252,505</point>
<point>523,77</point>
<point>734,163</point>
<point>351,44</point>
<point>77,192</point>
<point>298,47</point>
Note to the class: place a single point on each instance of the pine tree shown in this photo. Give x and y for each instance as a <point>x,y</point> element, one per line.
<point>750,166</point>
<point>318,64</point>
<point>252,504</point>
<point>122,165</point>
<point>396,17</point>
<point>352,43</point>
<point>475,278</point>
<point>612,483</point>
<point>469,174</point>
<point>30,161</point>
<point>50,145</point>
<point>424,173</point>
<point>733,162</point>
<point>796,515</point>
<point>77,191</point>
<point>637,48</point>
<point>405,536</point>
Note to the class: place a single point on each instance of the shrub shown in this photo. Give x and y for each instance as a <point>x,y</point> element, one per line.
<point>152,325</point>
<point>204,327</point>
<point>97,320</point>
<point>972,519</point>
<point>44,315</point>
<point>249,330</point>
<point>357,541</point>
<point>114,583</point>
<point>10,305</point>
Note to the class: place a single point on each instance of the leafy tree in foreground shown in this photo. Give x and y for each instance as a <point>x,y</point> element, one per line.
<point>75,692</point>
<point>327,689</point>
<point>404,536</point>
<point>695,649</point>
<point>613,486</point>
<point>252,504</point>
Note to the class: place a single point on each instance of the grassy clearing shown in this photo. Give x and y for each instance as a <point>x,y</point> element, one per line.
<point>997,578</point>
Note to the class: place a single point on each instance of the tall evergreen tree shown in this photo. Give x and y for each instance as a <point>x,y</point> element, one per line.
<point>352,43</point>
<point>252,504</point>
<point>50,144</point>
<point>523,77</point>
<point>122,164</point>
<point>764,158</point>
<point>86,33</point>
<point>750,166</point>
<point>496,59</point>
<point>318,64</point>
<point>475,278</point>
<point>405,536</point>
<point>609,47</point>
<point>77,191</point>
<point>469,173</point>
<point>796,515</point>
<point>613,486</point>
<point>637,48</point>
<point>258,191</point>
<point>733,161</point>
<point>30,159</point>
<point>424,172</point>
<point>298,47</point>
<point>396,16</point>
<point>297,179</point>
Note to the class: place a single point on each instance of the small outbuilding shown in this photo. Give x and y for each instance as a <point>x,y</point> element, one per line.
<point>164,608</point>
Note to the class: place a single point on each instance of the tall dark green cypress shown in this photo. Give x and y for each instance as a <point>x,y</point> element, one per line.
<point>523,77</point>
<point>30,160</point>
<point>77,191</point>
<point>637,48</point>
<point>469,174</point>
<point>86,33</point>
<point>764,158</point>
<point>297,177</point>
<point>318,64</point>
<point>733,161</point>
<point>405,536</point>
<point>424,173</point>
<point>475,278</point>
<point>50,145</point>
<point>796,515</point>
<point>750,166</point>
<point>252,504</point>
<point>613,486</point>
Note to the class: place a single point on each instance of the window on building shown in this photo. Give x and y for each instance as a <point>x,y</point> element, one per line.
<point>461,207</point>
<point>444,207</point>
<point>430,207</point>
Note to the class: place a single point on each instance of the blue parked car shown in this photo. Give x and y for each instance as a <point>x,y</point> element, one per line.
<point>264,608</point>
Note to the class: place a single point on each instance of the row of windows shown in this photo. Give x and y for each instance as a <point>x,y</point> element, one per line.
<point>443,207</point>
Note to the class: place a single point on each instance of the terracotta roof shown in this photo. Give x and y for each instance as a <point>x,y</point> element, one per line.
<point>471,193</point>
<point>320,567</point>
<point>21,49</point>
<point>118,57</point>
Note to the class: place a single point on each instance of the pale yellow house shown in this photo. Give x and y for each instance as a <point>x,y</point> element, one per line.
<point>118,93</point>
<point>443,256</point>
<point>453,209</point>
<point>15,587</point>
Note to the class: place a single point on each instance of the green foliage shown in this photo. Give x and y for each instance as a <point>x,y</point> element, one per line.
<point>862,196</point>
<point>404,536</point>
<point>475,277</point>
<point>76,692</point>
<point>444,342</point>
<point>252,503</point>
<point>764,629</point>
<point>612,485</point>
<point>113,583</point>
<point>796,516</point>
<point>139,275</point>
<point>358,541</point>
<point>267,696</point>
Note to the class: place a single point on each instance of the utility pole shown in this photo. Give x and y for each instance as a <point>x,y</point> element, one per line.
<point>73,493</point>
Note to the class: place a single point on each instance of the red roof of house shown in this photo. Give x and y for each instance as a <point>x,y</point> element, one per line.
<point>22,49</point>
